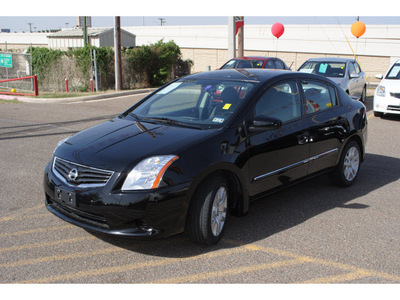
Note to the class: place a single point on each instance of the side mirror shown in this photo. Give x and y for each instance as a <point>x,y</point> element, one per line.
<point>263,123</point>
<point>379,76</point>
<point>354,75</point>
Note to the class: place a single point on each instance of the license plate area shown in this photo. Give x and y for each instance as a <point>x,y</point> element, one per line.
<point>65,197</point>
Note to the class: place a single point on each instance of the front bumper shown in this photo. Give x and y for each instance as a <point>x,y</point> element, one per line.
<point>139,214</point>
<point>387,104</point>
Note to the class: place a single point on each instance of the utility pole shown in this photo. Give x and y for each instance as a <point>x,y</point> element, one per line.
<point>231,38</point>
<point>117,53</point>
<point>85,35</point>
<point>162,21</point>
<point>30,27</point>
<point>240,35</point>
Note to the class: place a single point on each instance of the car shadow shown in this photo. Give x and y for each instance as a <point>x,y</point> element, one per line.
<point>278,212</point>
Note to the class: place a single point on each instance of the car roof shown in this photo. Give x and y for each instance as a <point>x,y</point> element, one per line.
<point>254,57</point>
<point>256,75</point>
<point>332,59</point>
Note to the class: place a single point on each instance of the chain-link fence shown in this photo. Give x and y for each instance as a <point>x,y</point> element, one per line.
<point>12,66</point>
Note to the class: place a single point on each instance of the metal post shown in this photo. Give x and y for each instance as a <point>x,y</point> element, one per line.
<point>117,53</point>
<point>95,70</point>
<point>231,38</point>
<point>6,68</point>
<point>241,40</point>
<point>84,32</point>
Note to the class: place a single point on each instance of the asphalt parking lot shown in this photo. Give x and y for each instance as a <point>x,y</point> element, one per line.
<point>310,233</point>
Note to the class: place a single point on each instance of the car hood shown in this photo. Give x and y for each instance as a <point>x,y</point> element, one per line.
<point>391,85</point>
<point>119,144</point>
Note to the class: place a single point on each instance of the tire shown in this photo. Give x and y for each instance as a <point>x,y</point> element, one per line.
<point>346,172</point>
<point>378,114</point>
<point>208,212</point>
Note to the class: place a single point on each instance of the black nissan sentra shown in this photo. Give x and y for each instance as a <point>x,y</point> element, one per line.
<point>203,147</point>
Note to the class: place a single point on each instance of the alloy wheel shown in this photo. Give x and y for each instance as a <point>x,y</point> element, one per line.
<point>351,164</point>
<point>219,211</point>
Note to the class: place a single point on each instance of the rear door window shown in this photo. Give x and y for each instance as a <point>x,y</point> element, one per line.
<point>318,96</point>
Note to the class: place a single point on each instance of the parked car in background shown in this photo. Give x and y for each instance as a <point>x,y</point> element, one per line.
<point>387,94</point>
<point>185,157</point>
<point>255,62</point>
<point>343,71</point>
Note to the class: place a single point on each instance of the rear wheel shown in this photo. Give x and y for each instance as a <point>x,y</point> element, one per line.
<point>347,170</point>
<point>208,211</point>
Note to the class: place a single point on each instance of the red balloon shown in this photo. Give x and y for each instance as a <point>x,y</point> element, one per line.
<point>277,30</point>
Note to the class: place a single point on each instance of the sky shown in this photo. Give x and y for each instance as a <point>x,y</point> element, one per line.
<point>43,15</point>
<point>37,23</point>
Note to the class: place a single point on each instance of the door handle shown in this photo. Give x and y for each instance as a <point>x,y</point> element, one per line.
<point>302,138</point>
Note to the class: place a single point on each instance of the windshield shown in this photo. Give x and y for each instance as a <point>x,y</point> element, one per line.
<point>201,104</point>
<point>394,72</point>
<point>243,64</point>
<point>327,69</point>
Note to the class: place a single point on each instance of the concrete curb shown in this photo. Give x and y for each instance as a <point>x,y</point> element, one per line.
<point>76,99</point>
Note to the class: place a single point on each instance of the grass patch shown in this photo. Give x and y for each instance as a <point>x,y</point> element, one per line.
<point>9,101</point>
<point>64,95</point>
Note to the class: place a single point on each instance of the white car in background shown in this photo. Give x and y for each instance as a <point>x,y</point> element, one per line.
<point>387,94</point>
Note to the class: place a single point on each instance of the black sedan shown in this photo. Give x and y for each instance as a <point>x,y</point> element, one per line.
<point>203,147</point>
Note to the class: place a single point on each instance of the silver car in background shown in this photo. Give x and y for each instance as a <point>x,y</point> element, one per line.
<point>345,72</point>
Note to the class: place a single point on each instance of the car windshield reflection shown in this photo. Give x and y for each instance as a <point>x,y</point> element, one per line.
<point>327,69</point>
<point>199,104</point>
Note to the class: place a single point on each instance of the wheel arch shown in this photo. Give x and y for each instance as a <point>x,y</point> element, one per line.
<point>238,202</point>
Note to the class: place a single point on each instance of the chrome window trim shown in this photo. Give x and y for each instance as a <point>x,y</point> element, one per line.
<point>295,164</point>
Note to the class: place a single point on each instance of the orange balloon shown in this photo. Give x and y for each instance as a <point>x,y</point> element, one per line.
<point>358,29</point>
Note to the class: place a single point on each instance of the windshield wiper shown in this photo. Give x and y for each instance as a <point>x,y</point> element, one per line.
<point>170,122</point>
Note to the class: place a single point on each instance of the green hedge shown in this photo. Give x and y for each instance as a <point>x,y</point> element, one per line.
<point>146,66</point>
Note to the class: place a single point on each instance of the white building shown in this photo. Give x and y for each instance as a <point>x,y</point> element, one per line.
<point>99,37</point>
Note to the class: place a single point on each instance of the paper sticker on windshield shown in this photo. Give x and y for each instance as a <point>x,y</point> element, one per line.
<point>218,120</point>
<point>227,106</point>
<point>322,68</point>
<point>169,88</point>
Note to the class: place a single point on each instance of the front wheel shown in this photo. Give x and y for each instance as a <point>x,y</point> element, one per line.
<point>347,170</point>
<point>208,212</point>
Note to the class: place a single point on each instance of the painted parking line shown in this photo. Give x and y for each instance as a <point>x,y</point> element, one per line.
<point>339,278</point>
<point>352,273</point>
<point>47,244</point>
<point>52,258</point>
<point>229,272</point>
<point>336,265</point>
<point>130,267</point>
<point>38,230</point>
<point>18,214</point>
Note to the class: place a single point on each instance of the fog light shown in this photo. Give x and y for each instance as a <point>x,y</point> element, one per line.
<point>143,225</point>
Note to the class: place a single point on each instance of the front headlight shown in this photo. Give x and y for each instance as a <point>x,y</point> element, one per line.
<point>380,91</point>
<point>148,173</point>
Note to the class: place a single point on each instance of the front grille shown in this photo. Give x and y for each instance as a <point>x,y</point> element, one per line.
<point>394,107</point>
<point>395,95</point>
<point>80,175</point>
